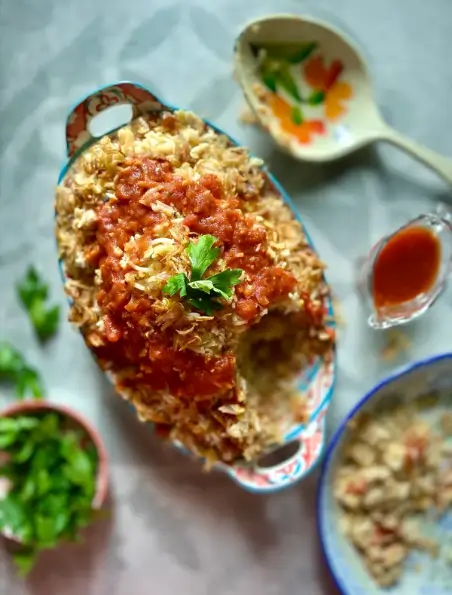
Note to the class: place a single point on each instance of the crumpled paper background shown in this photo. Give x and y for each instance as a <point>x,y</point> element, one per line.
<point>173,529</point>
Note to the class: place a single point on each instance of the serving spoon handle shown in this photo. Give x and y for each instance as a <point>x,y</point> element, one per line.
<point>441,165</point>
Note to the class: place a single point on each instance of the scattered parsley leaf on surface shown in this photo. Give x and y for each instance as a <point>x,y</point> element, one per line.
<point>33,294</point>
<point>44,321</point>
<point>202,293</point>
<point>29,384</point>
<point>11,361</point>
<point>31,288</point>
<point>13,368</point>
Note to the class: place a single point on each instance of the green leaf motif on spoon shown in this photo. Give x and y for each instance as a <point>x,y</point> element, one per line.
<point>276,75</point>
<point>297,116</point>
<point>269,79</point>
<point>316,98</point>
<point>286,81</point>
<point>294,53</point>
<point>276,61</point>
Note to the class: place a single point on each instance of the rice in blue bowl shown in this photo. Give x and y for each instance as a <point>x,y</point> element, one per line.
<point>385,491</point>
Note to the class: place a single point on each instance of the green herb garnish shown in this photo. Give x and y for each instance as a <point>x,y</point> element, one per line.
<point>53,476</point>
<point>14,369</point>
<point>33,294</point>
<point>203,293</point>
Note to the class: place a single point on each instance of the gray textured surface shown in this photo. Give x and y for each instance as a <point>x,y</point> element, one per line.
<point>175,530</point>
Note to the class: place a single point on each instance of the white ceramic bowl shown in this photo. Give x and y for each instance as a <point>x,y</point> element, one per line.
<point>303,444</point>
<point>423,575</point>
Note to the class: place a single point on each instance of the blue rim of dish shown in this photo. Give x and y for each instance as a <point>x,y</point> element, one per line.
<point>313,369</point>
<point>343,589</point>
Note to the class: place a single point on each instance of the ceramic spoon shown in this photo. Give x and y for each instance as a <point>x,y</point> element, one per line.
<point>309,86</point>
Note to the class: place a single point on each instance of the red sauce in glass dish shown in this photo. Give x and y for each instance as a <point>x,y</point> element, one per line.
<point>406,266</point>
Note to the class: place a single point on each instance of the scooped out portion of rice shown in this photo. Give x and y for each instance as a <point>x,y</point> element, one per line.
<point>209,352</point>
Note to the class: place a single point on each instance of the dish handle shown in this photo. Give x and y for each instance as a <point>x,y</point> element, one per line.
<point>79,119</point>
<point>308,450</point>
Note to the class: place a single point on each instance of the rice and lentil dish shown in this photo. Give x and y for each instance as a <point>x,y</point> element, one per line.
<point>396,469</point>
<point>129,211</point>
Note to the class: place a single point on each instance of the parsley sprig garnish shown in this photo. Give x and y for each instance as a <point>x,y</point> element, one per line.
<point>52,473</point>
<point>15,369</point>
<point>33,293</point>
<point>203,293</point>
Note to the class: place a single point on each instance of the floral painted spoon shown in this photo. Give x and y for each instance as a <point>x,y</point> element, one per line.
<point>310,88</point>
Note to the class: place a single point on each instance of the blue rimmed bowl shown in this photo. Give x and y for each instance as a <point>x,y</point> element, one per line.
<point>303,444</point>
<point>423,575</point>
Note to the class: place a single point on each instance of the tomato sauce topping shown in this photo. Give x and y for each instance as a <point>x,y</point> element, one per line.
<point>129,315</point>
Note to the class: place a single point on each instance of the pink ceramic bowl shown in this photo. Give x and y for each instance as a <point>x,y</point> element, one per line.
<point>102,480</point>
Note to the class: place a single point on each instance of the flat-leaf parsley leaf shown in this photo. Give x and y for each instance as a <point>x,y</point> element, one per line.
<point>224,282</point>
<point>200,293</point>
<point>177,283</point>
<point>202,255</point>
<point>14,369</point>
<point>33,294</point>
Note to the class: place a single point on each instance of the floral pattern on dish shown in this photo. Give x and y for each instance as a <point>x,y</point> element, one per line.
<point>302,91</point>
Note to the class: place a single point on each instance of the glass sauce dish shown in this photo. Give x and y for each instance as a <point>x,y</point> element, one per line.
<point>406,271</point>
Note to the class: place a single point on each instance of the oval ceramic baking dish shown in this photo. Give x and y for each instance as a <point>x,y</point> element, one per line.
<point>303,442</point>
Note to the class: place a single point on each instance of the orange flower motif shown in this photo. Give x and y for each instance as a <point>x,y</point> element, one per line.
<point>283,111</point>
<point>325,80</point>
